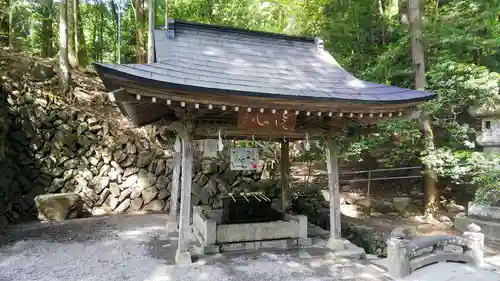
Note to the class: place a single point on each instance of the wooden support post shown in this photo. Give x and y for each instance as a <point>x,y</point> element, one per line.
<point>174,196</point>
<point>183,256</point>
<point>285,173</point>
<point>335,242</point>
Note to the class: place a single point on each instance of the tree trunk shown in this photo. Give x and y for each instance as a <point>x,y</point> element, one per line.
<point>116,16</point>
<point>63,48</point>
<point>166,13</point>
<point>11,24</point>
<point>431,193</point>
<point>47,19</point>
<point>101,32</point>
<point>76,5</point>
<point>139,19</point>
<point>151,27</point>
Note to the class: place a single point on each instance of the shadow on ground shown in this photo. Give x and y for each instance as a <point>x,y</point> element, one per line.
<point>137,247</point>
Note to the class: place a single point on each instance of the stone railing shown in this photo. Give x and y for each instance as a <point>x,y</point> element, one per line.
<point>406,255</point>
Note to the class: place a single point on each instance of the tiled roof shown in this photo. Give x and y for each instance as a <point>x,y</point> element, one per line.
<point>228,60</point>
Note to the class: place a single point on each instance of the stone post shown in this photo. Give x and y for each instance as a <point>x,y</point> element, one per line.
<point>335,241</point>
<point>174,196</point>
<point>398,262</point>
<point>476,240</point>
<point>285,173</point>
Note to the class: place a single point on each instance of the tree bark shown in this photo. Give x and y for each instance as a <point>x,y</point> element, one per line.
<point>102,7</point>
<point>116,16</point>
<point>139,19</point>
<point>166,13</point>
<point>431,192</point>
<point>47,19</point>
<point>11,24</point>
<point>151,27</point>
<point>76,5</point>
<point>65,74</point>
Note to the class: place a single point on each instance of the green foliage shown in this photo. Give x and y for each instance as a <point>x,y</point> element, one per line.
<point>462,40</point>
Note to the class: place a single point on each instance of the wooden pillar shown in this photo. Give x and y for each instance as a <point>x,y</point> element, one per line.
<point>285,172</point>
<point>183,256</point>
<point>335,241</point>
<point>174,196</point>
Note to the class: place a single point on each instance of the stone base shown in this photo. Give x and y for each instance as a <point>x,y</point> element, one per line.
<point>270,244</point>
<point>171,225</point>
<point>212,234</point>
<point>183,258</point>
<point>490,228</point>
<point>344,248</point>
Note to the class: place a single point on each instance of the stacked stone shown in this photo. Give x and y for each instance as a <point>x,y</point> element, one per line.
<point>52,147</point>
<point>214,179</point>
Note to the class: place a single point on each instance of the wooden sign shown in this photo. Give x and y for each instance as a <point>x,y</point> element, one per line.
<point>279,121</point>
<point>244,159</point>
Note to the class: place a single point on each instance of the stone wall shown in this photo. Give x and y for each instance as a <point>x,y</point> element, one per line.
<point>53,147</point>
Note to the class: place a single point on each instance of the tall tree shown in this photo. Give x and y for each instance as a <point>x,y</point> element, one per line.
<point>76,23</point>
<point>166,13</point>
<point>151,28</point>
<point>65,74</point>
<point>47,34</point>
<point>139,22</point>
<point>415,17</point>
<point>10,8</point>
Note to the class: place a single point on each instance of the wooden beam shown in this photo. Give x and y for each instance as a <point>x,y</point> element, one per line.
<point>335,242</point>
<point>120,95</point>
<point>183,256</point>
<point>172,224</point>
<point>285,173</point>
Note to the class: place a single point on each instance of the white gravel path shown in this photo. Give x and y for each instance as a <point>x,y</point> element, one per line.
<point>137,248</point>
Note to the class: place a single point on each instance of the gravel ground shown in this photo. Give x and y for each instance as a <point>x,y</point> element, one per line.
<point>137,247</point>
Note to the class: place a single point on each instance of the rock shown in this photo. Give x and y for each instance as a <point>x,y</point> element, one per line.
<point>104,195</point>
<point>113,174</point>
<point>144,158</point>
<point>131,148</point>
<point>145,179</point>
<point>400,203</point>
<point>208,166</point>
<point>160,167</point>
<point>42,72</point>
<point>402,232</point>
<point>229,176</point>
<point>154,206</point>
<point>4,222</point>
<point>111,203</point>
<point>376,214</point>
<point>115,189</point>
<point>58,207</point>
<point>124,194</point>
<point>129,161</point>
<point>102,183</point>
<point>443,218</point>
<point>136,192</point>
<point>123,206</point>
<point>211,188</point>
<point>196,189</point>
<point>455,208</point>
<point>149,194</point>
<point>119,156</point>
<point>162,194</point>
<point>162,182</point>
<point>92,121</point>
<point>91,194</point>
<point>136,203</point>
<point>367,203</point>
<point>130,181</point>
<point>473,228</point>
<point>202,180</point>
<point>130,171</point>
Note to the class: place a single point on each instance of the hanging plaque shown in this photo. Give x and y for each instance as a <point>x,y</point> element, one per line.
<point>244,159</point>
<point>279,121</point>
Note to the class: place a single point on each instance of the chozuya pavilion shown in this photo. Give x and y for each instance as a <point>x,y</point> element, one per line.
<point>211,80</point>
